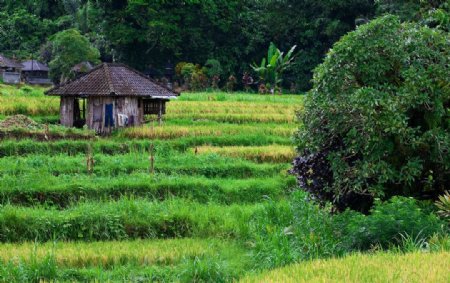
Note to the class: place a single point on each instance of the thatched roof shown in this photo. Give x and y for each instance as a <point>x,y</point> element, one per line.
<point>112,79</point>
<point>33,65</point>
<point>9,63</point>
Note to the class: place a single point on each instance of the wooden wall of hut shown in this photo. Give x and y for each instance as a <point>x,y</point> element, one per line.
<point>66,111</point>
<point>96,113</point>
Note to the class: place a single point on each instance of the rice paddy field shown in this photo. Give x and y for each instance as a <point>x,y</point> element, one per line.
<point>219,161</point>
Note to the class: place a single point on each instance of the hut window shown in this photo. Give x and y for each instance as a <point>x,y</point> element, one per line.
<point>154,107</point>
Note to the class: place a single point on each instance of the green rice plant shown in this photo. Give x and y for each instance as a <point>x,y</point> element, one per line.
<point>110,253</point>
<point>125,219</point>
<point>204,165</point>
<point>241,97</point>
<point>64,190</point>
<point>206,260</point>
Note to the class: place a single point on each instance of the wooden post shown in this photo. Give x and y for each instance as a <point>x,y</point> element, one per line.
<point>196,150</point>
<point>160,113</point>
<point>89,160</point>
<point>46,131</point>
<point>152,159</point>
<point>84,109</point>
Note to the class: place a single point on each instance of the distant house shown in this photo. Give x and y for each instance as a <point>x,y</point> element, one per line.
<point>109,96</point>
<point>82,68</point>
<point>9,70</point>
<point>34,72</point>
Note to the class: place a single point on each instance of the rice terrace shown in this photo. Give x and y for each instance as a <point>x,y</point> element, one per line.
<point>224,141</point>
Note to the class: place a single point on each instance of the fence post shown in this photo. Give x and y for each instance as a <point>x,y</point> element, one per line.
<point>89,160</point>
<point>46,132</point>
<point>152,159</point>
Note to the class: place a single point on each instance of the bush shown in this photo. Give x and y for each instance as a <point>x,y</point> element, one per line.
<point>213,68</point>
<point>387,224</point>
<point>294,231</point>
<point>376,122</point>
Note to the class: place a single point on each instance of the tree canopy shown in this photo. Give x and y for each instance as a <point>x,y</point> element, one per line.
<point>376,122</point>
<point>144,33</point>
<point>68,48</point>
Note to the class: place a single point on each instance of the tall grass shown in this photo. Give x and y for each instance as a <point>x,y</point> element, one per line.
<point>64,190</point>
<point>126,219</point>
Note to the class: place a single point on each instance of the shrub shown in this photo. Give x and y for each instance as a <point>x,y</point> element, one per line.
<point>376,122</point>
<point>213,68</point>
<point>298,230</point>
<point>387,224</point>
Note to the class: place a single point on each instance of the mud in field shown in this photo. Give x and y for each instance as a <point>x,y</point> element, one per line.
<point>19,121</point>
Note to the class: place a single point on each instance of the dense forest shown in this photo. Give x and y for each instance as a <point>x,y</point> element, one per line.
<point>150,34</point>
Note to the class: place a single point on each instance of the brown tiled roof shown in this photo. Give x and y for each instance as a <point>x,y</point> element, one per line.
<point>112,79</point>
<point>9,63</point>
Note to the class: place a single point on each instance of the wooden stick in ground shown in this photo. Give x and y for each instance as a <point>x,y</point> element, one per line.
<point>152,159</point>
<point>46,131</point>
<point>89,160</point>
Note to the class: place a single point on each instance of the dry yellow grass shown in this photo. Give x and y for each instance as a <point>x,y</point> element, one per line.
<point>177,131</point>
<point>271,153</point>
<point>230,107</point>
<point>140,252</point>
<point>382,267</point>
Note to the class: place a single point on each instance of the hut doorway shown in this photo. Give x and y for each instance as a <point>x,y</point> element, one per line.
<point>79,112</point>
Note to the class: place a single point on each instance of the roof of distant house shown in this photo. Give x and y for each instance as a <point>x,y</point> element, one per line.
<point>33,65</point>
<point>83,67</point>
<point>112,79</point>
<point>9,63</point>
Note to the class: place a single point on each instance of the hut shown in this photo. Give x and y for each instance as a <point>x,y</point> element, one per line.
<point>9,70</point>
<point>35,72</point>
<point>109,96</point>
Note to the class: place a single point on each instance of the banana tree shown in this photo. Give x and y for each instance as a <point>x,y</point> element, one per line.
<point>271,69</point>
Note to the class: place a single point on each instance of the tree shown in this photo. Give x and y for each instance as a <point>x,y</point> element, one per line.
<point>376,121</point>
<point>69,47</point>
<point>271,69</point>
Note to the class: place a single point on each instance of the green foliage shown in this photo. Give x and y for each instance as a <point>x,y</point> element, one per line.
<point>443,204</point>
<point>387,225</point>
<point>213,68</point>
<point>69,48</point>
<point>379,113</point>
<point>271,69</point>
<point>22,33</point>
<point>300,230</point>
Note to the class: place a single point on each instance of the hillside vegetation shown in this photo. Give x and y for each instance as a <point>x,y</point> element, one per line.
<point>218,204</point>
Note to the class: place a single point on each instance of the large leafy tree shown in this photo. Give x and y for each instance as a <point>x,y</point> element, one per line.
<point>69,48</point>
<point>376,123</point>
